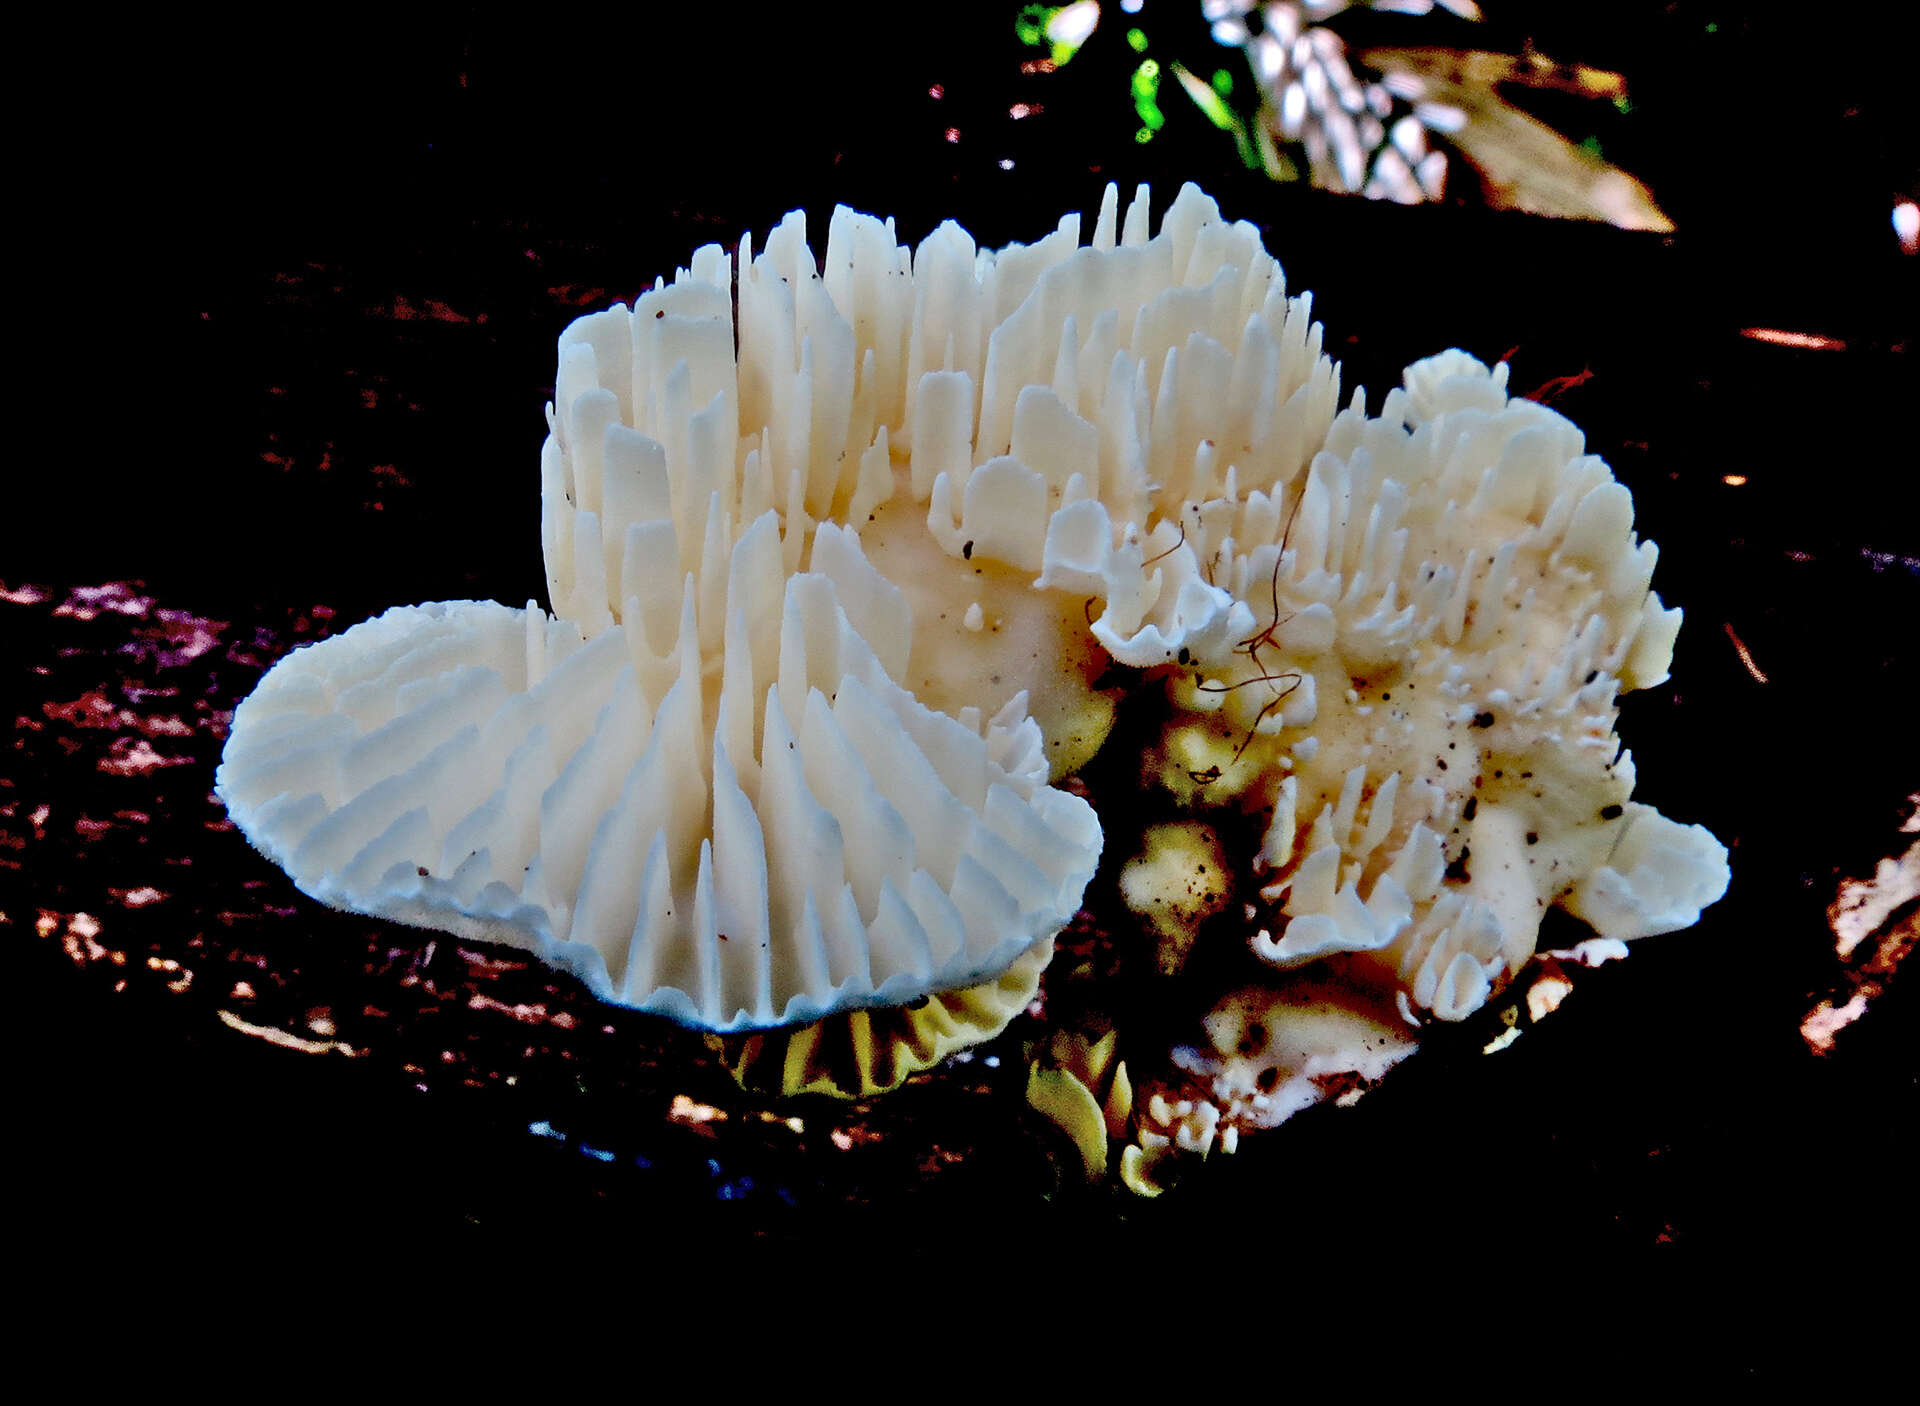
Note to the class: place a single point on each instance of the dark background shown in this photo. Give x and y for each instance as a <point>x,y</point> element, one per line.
<point>197,177</point>
<point>290,309</point>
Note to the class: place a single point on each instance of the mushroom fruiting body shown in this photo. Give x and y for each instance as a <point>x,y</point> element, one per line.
<point>783,747</point>
<point>834,578</point>
<point>489,771</point>
<point>1444,610</point>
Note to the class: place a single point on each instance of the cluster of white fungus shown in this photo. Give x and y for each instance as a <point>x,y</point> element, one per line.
<point>1443,612</point>
<point>832,577</point>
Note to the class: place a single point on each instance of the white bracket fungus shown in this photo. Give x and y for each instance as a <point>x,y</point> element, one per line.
<point>832,579</point>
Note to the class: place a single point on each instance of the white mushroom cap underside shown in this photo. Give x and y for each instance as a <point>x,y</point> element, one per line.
<point>822,844</point>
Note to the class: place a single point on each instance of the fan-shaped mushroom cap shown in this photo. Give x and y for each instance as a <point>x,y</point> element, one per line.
<point>488,771</point>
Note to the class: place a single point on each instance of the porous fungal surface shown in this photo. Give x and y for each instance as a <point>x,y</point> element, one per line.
<point>839,548</point>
